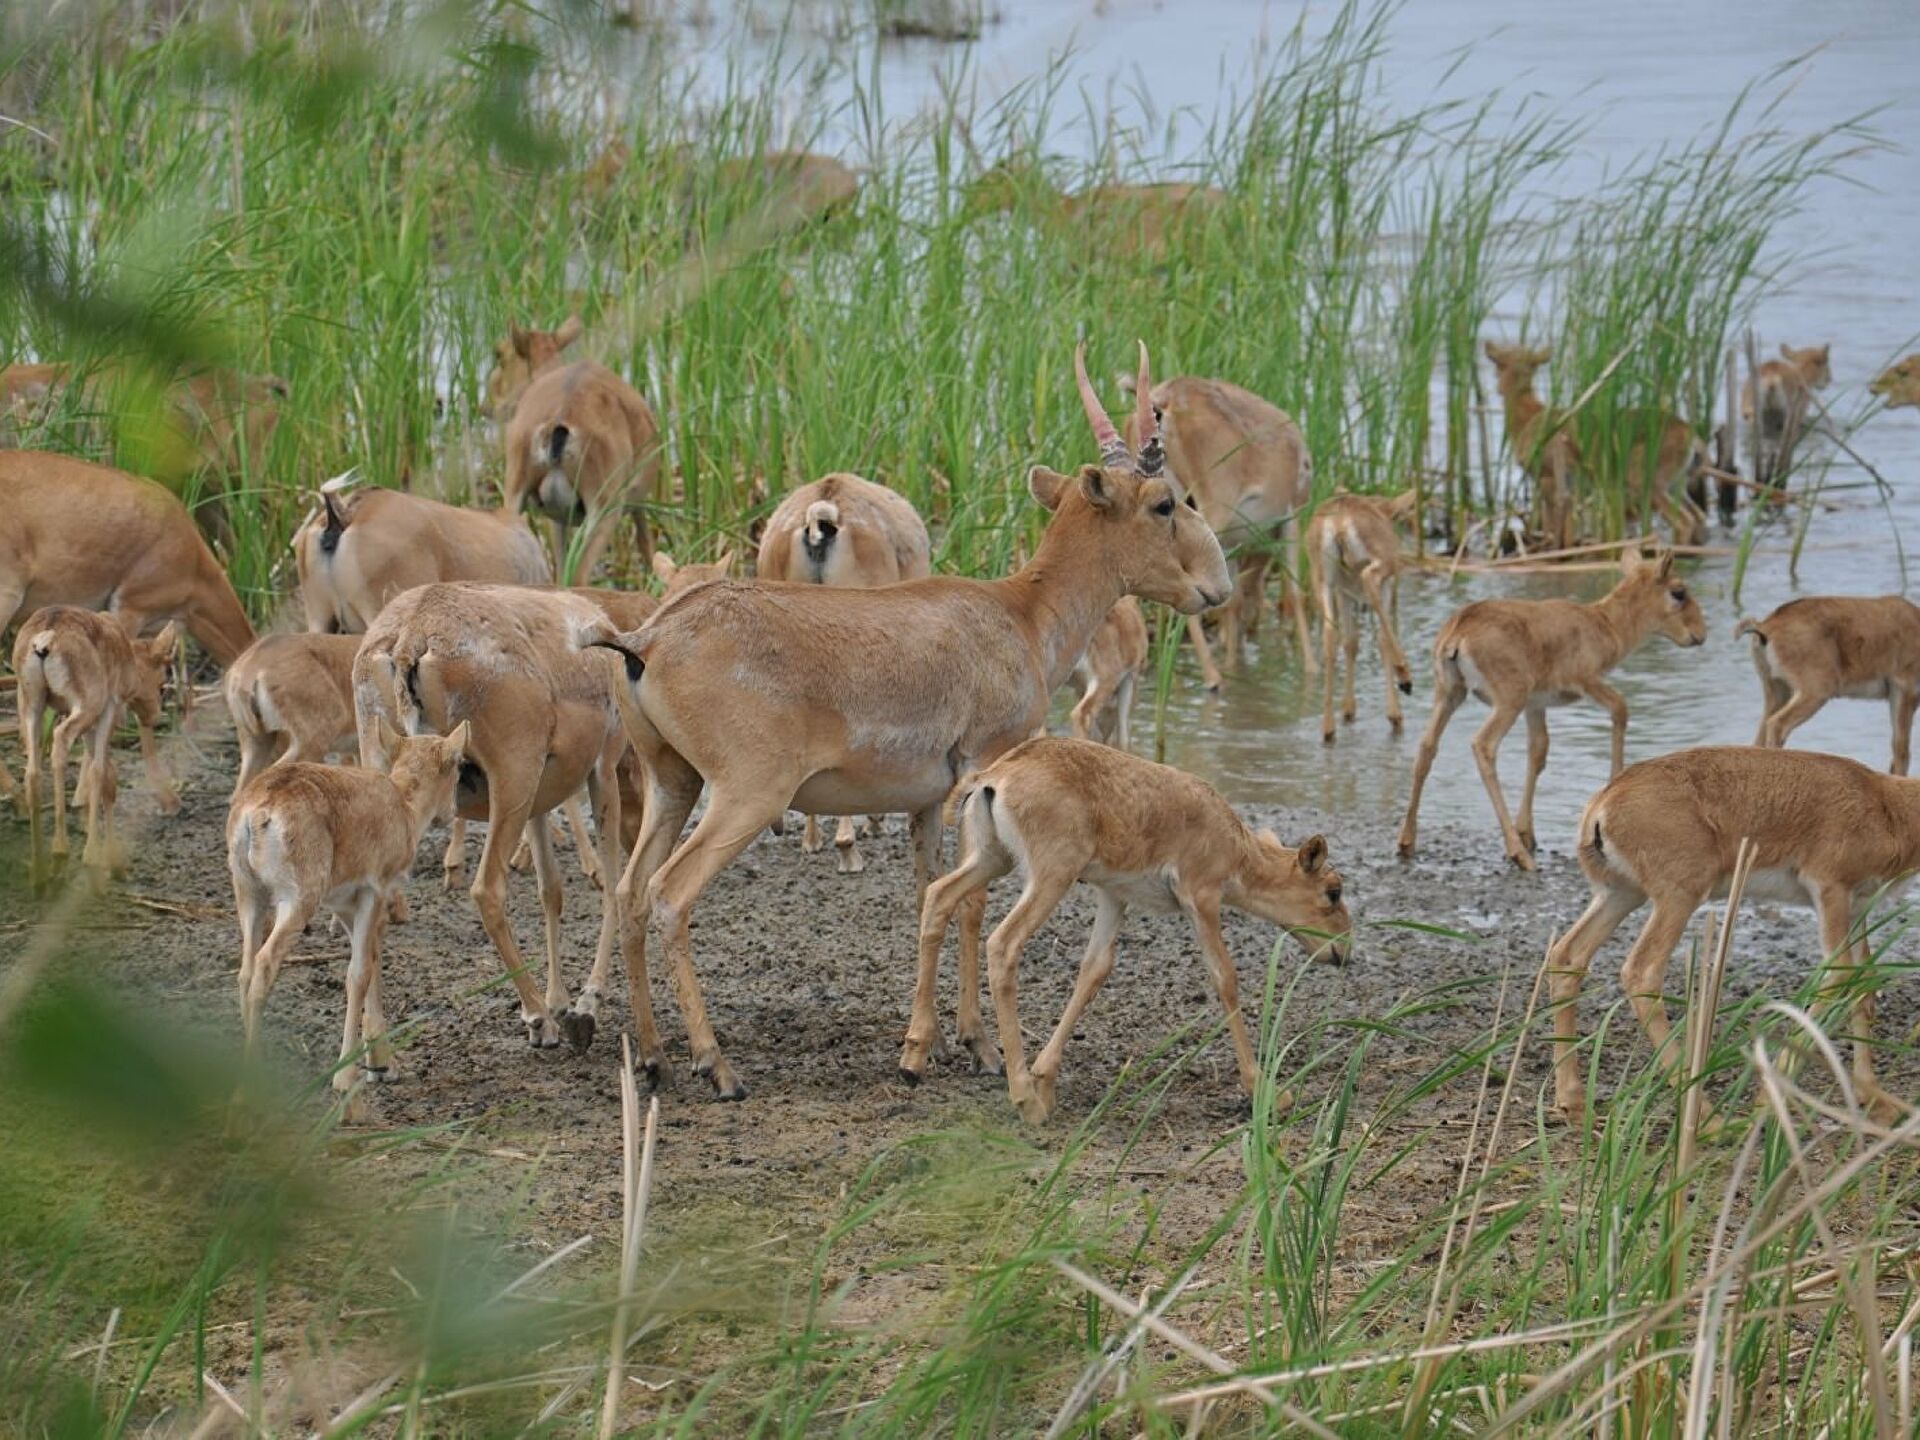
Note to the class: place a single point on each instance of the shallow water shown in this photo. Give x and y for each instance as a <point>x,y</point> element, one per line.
<point>1642,74</point>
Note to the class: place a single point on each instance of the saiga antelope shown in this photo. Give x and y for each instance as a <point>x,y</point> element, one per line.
<point>1353,555</point>
<point>1108,671</point>
<point>1140,834</point>
<point>1829,832</point>
<point>84,535</point>
<point>968,667</point>
<point>83,666</point>
<point>1247,467</point>
<point>1899,383</point>
<point>545,721</point>
<point>291,698</point>
<point>1785,390</point>
<point>580,444</point>
<point>1823,647</point>
<point>1523,656</point>
<point>302,837</point>
<point>843,530</point>
<point>360,548</point>
<point>1145,220</point>
<point>1546,450</point>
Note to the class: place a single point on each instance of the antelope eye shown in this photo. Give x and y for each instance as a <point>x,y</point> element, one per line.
<point>1333,896</point>
<point>1679,592</point>
<point>1165,507</point>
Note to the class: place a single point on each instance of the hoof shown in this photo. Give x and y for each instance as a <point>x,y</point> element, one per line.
<point>454,880</point>
<point>1327,737</point>
<point>850,862</point>
<point>1522,859</point>
<point>542,1034</point>
<point>731,1091</point>
<point>377,1074</point>
<point>578,1027</point>
<point>1405,848</point>
<point>986,1058</point>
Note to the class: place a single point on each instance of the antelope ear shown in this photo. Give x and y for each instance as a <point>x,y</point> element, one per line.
<point>568,332</point>
<point>1313,854</point>
<point>664,566</point>
<point>389,737</point>
<point>1826,352</point>
<point>161,647</point>
<point>1786,351</point>
<point>1495,352</point>
<point>1403,503</point>
<point>1047,486</point>
<point>1663,564</point>
<point>458,741</point>
<point>724,561</point>
<point>1095,485</point>
<point>519,339</point>
<point>1542,355</point>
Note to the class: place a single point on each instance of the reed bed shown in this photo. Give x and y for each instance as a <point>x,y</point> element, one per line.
<point>362,197</point>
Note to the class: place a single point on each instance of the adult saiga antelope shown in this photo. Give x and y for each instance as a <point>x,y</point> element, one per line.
<point>545,721</point>
<point>843,530</point>
<point>1829,832</point>
<point>1784,393</point>
<point>581,442</point>
<point>1138,833</point>
<point>1814,650</point>
<point>78,534</point>
<point>1522,656</point>
<point>849,702</point>
<point>1353,556</point>
<point>1246,464</point>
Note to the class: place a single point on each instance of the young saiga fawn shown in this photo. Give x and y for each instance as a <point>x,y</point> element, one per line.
<point>1353,556</point>
<point>1830,833</point>
<point>1140,834</point>
<point>1523,656</point>
<point>301,837</point>
<point>1829,646</point>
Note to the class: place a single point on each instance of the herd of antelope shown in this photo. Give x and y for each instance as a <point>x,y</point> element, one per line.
<point>848,680</point>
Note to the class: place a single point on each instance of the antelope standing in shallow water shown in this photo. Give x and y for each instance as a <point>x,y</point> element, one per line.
<point>1353,556</point>
<point>1829,833</point>
<point>1523,656</point>
<point>1776,402</point>
<point>968,665</point>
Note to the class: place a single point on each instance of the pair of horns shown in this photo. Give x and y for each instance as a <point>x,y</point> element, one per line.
<point>1113,449</point>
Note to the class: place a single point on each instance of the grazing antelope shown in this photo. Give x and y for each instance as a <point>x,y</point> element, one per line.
<point>545,721</point>
<point>1829,646</point>
<point>788,188</point>
<point>522,355</point>
<point>843,530</point>
<point>1546,450</point>
<point>1247,467</point>
<point>361,548</point>
<point>213,422</point>
<point>1523,656</point>
<point>1829,832</point>
<point>1785,389</point>
<point>1353,555</point>
<point>291,698</point>
<point>1899,384</point>
<point>78,534</point>
<point>85,667</point>
<point>1129,220</point>
<point>301,837</point>
<point>1108,671</point>
<point>1138,833</point>
<point>581,442</point>
<point>968,667</point>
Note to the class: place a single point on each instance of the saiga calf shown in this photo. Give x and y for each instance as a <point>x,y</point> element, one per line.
<point>1827,646</point>
<point>1353,555</point>
<point>1829,832</point>
<point>1523,656</point>
<point>1785,392</point>
<point>301,837</point>
<point>1108,672</point>
<point>1138,833</point>
<point>291,698</point>
<point>83,666</point>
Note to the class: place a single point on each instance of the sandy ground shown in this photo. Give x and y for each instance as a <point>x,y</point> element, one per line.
<point>808,974</point>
